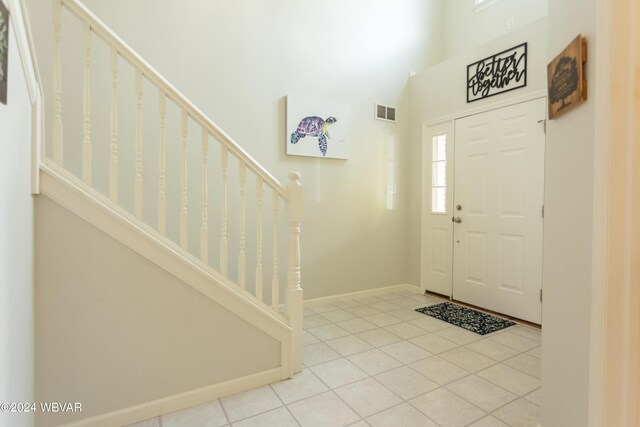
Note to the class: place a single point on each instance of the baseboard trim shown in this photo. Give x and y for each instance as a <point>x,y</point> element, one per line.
<point>361,294</point>
<point>180,401</point>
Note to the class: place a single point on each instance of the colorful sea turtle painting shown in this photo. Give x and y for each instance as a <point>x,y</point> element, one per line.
<point>314,126</point>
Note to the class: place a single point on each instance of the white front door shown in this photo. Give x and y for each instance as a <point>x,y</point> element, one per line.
<point>498,202</point>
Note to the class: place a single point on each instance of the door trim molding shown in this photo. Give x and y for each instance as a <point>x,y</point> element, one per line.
<point>486,108</point>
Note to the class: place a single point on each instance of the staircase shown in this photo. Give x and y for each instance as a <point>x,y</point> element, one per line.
<point>169,199</point>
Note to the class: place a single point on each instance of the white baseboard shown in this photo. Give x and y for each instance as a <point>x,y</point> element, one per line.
<point>180,401</point>
<point>362,294</point>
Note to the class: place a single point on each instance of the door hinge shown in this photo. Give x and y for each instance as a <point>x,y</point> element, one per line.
<point>540,295</point>
<point>542,211</point>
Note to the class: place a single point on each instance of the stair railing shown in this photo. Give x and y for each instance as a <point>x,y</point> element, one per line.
<point>291,195</point>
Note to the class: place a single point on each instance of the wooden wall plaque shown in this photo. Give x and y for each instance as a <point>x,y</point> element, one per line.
<point>566,84</point>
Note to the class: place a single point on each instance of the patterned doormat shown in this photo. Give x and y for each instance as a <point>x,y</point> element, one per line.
<point>466,318</point>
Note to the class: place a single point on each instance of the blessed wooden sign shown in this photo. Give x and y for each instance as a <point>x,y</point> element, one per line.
<point>497,73</point>
<point>566,84</point>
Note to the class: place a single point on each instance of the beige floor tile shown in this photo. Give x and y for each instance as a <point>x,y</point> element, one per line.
<point>280,417</point>
<point>467,359</point>
<point>447,409</point>
<point>406,314</point>
<point>368,300</point>
<point>405,352</point>
<point>324,308</point>
<point>349,345</point>
<point>405,330</point>
<point>338,315</point>
<point>378,337</point>
<point>314,321</point>
<point>433,343</point>
<point>302,385</point>
<point>383,319</point>
<point>359,424</point>
<point>389,296</point>
<point>482,393</point>
<point>430,324</point>
<point>315,354</point>
<point>521,413</point>
<point>346,304</point>
<point>307,338</point>
<point>510,379</point>
<point>458,335</point>
<point>323,410</point>
<point>406,302</point>
<point>363,311</point>
<point>328,332</point>
<point>403,415</point>
<point>439,370</point>
<point>367,397</point>
<point>489,421</point>
<point>208,414</point>
<point>250,403</point>
<point>385,306</point>
<point>374,361</point>
<point>492,349</point>
<point>536,352</point>
<point>338,373</point>
<point>406,383</point>
<point>526,363</point>
<point>528,332</point>
<point>356,325</point>
<point>535,397</point>
<point>518,342</point>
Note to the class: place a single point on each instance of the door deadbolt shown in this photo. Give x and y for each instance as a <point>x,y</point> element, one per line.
<point>457,219</point>
<point>459,207</point>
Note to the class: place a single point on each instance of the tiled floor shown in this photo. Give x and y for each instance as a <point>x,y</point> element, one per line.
<point>376,362</point>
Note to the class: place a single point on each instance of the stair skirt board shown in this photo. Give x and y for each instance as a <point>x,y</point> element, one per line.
<point>96,209</point>
<point>180,401</point>
<point>362,294</point>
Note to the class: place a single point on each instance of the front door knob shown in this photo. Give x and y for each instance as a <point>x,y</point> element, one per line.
<point>457,220</point>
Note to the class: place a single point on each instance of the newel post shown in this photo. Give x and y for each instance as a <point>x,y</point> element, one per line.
<point>293,297</point>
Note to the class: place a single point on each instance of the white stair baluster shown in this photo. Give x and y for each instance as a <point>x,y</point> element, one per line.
<point>204,228</point>
<point>184,214</point>
<point>113,163</point>
<point>138,179</point>
<point>275,280</point>
<point>57,149</point>
<point>260,193</point>
<point>224,160</point>
<point>162,185</point>
<point>86,104</point>
<point>294,294</point>
<point>242,258</point>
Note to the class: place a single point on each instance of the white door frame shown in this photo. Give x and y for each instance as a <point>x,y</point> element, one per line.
<point>426,163</point>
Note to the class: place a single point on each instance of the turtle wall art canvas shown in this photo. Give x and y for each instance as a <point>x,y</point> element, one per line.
<point>317,128</point>
<point>4,51</point>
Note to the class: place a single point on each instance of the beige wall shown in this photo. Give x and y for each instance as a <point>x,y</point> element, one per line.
<point>114,330</point>
<point>16,244</point>
<point>441,91</point>
<point>236,61</point>
<point>568,225</point>
<point>465,28</point>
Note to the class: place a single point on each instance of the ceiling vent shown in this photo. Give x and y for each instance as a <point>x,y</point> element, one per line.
<point>385,113</point>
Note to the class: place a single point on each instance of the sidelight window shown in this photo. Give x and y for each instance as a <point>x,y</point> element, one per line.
<point>439,174</point>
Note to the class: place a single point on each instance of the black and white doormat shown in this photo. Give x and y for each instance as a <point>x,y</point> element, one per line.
<point>469,319</point>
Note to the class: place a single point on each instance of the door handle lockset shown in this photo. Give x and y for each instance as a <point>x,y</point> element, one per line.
<point>456,219</point>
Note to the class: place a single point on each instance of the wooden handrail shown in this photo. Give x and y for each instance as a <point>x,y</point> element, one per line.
<point>153,76</point>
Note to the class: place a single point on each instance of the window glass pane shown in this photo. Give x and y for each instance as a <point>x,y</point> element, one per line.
<point>439,174</point>
<point>439,200</point>
<point>439,148</point>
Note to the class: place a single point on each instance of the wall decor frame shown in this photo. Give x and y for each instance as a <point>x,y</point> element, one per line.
<point>317,127</point>
<point>499,73</point>
<point>566,84</point>
<point>4,51</point>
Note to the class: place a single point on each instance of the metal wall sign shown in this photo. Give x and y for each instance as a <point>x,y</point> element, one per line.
<point>497,73</point>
